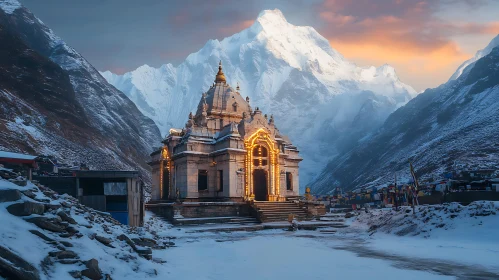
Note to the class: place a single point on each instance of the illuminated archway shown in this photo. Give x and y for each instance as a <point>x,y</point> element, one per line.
<point>165,177</point>
<point>260,148</point>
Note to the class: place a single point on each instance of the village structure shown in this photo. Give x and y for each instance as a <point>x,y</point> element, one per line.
<point>227,151</point>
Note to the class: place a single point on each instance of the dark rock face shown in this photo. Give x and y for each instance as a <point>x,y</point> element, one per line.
<point>93,271</point>
<point>15,267</point>
<point>9,195</point>
<point>48,86</point>
<point>27,208</point>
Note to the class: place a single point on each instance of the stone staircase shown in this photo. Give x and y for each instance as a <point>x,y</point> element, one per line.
<point>278,211</point>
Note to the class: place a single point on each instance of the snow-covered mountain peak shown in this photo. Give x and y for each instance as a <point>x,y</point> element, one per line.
<point>272,20</point>
<point>479,54</point>
<point>9,6</point>
<point>289,71</point>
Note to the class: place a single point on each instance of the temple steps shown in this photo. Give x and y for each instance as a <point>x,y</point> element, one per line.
<point>278,211</point>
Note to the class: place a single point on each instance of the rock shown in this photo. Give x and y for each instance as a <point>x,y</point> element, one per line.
<point>128,241</point>
<point>144,242</point>
<point>65,204</point>
<point>93,271</point>
<point>104,240</point>
<point>20,183</point>
<point>26,208</point>
<point>68,261</point>
<point>71,230</point>
<point>41,235</point>
<point>49,206</point>
<point>45,223</point>
<point>9,195</point>
<point>29,193</point>
<point>15,267</point>
<point>67,244</point>
<point>65,235</point>
<point>75,274</point>
<point>143,251</point>
<point>65,217</point>
<point>64,254</point>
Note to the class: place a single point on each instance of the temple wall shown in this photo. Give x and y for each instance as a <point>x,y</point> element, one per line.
<point>155,184</point>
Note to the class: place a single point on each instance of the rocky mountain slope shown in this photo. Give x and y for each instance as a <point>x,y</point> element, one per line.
<point>54,102</point>
<point>458,121</point>
<point>323,102</point>
<point>49,236</point>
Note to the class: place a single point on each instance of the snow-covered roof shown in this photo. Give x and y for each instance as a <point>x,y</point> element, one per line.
<point>4,154</point>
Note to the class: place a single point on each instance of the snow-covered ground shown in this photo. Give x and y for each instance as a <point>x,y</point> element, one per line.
<point>449,232</point>
<point>465,247</point>
<point>382,244</point>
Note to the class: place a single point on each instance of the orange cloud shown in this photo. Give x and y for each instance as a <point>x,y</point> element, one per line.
<point>404,33</point>
<point>420,69</point>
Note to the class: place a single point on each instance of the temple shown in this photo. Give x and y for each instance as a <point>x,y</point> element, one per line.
<point>226,152</point>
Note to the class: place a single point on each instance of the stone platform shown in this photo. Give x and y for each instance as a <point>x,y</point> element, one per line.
<point>188,213</point>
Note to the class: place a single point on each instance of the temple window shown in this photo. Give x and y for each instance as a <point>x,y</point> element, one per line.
<point>289,181</point>
<point>260,155</point>
<point>202,180</point>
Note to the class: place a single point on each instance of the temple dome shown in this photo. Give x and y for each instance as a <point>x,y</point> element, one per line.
<point>221,100</point>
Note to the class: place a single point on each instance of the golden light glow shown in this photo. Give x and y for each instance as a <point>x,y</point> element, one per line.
<point>261,137</point>
<point>165,163</point>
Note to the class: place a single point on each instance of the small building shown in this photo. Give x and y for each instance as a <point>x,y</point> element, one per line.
<point>119,193</point>
<point>226,152</point>
<point>19,163</point>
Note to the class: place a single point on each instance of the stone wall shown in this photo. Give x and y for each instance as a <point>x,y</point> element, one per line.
<point>200,209</point>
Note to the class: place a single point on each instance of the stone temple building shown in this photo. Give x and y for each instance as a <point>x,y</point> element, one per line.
<point>226,152</point>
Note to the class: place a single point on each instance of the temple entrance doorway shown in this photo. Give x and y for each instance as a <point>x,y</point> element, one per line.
<point>166,184</point>
<point>260,184</point>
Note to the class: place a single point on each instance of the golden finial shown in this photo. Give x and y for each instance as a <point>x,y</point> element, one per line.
<point>220,75</point>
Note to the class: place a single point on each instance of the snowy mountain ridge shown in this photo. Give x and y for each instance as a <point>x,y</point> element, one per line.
<point>456,122</point>
<point>289,71</point>
<point>58,103</point>
<point>479,54</point>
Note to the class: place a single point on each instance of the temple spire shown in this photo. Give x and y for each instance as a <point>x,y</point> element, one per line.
<point>220,78</point>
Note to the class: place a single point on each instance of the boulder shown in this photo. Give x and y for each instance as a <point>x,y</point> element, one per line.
<point>143,251</point>
<point>20,183</point>
<point>15,267</point>
<point>41,235</point>
<point>29,193</point>
<point>128,241</point>
<point>104,240</point>
<point>26,208</point>
<point>146,242</point>
<point>65,217</point>
<point>45,223</point>
<point>75,274</point>
<point>93,271</point>
<point>9,195</point>
<point>67,255</point>
<point>49,206</point>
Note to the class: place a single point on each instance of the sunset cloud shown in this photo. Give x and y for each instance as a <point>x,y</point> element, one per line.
<point>425,40</point>
<point>405,33</point>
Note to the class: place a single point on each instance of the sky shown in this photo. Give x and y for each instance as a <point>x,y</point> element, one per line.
<point>425,40</point>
